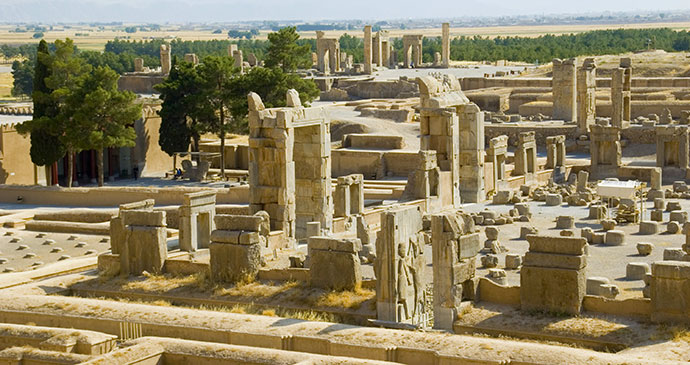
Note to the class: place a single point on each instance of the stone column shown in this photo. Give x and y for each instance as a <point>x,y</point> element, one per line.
<point>445,45</point>
<point>454,251</point>
<point>564,90</point>
<point>367,49</point>
<point>138,65</point>
<point>471,157</point>
<point>165,59</point>
<point>586,95</point>
<point>377,52</point>
<point>621,93</point>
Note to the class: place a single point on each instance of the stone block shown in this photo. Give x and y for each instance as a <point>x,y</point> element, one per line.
<point>513,261</point>
<point>669,292</point>
<point>587,233</point>
<point>673,206</point>
<point>469,245</point>
<point>143,218</point>
<point>608,224</point>
<point>678,216</point>
<point>649,227</point>
<point>335,270</point>
<point>597,211</point>
<point>232,263</point>
<point>229,222</point>
<point>554,199</point>
<point>489,261</point>
<point>503,197</point>
<point>526,231</point>
<point>674,254</point>
<point>598,238</point>
<point>637,270</point>
<point>557,245</point>
<point>659,203</point>
<point>491,233</point>
<point>565,222</point>
<point>145,250</point>
<point>540,259</point>
<point>523,209</point>
<point>657,215</point>
<point>221,236</point>
<point>673,227</point>
<point>551,289</point>
<point>615,238</point>
<point>349,245</point>
<point>645,248</point>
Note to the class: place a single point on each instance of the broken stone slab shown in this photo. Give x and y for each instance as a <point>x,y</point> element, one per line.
<point>489,261</point>
<point>513,261</point>
<point>351,245</point>
<point>674,254</point>
<point>645,248</point>
<point>608,224</point>
<point>554,200</point>
<point>678,216</point>
<point>637,270</point>
<point>600,286</point>
<point>491,233</point>
<point>526,231</point>
<point>557,245</point>
<point>673,206</point>
<point>228,222</point>
<point>657,215</point>
<point>567,233</point>
<point>649,227</point>
<point>565,222</point>
<point>143,218</point>
<point>659,203</point>
<point>597,211</point>
<point>587,233</point>
<point>615,238</point>
<point>503,197</point>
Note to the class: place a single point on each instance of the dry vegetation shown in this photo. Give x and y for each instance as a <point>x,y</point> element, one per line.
<point>5,84</point>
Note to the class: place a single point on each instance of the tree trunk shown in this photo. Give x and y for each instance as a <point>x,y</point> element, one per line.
<point>222,144</point>
<point>70,167</point>
<point>99,166</point>
<point>54,174</point>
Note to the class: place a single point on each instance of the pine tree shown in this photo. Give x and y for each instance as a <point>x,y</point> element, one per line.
<point>103,114</point>
<point>284,52</point>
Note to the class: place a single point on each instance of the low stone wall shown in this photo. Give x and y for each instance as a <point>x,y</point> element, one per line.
<point>489,291</point>
<point>540,132</point>
<point>473,83</point>
<point>110,196</point>
<point>638,108</point>
<point>139,84</point>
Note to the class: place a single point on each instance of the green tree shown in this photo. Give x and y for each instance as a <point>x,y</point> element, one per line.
<point>217,74</point>
<point>284,52</point>
<point>271,84</point>
<point>46,148</point>
<point>103,114</point>
<point>65,75</point>
<point>22,72</point>
<point>181,109</point>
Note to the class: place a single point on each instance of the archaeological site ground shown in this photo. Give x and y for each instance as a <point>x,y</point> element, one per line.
<point>417,212</point>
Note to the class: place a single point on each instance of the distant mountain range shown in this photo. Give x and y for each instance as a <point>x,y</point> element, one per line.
<point>223,11</point>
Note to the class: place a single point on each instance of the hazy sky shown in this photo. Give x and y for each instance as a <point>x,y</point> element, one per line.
<point>231,10</point>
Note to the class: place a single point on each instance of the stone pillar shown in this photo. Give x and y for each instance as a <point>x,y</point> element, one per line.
<point>399,265</point>
<point>165,59</point>
<point>138,65</point>
<point>145,247</point>
<point>445,45</point>
<point>239,60</point>
<point>586,95</point>
<point>621,83</point>
<point>386,54</point>
<point>377,51</point>
<point>564,86</point>
<point>232,48</point>
<point>555,151</point>
<point>471,156</point>
<point>367,50</point>
<point>656,190</point>
<point>348,198</point>
<point>454,249</point>
<point>552,277</point>
<point>496,154</point>
<point>526,155</point>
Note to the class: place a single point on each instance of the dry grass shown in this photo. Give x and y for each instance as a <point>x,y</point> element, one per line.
<point>6,81</point>
<point>351,299</point>
<point>255,289</point>
<point>163,283</point>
